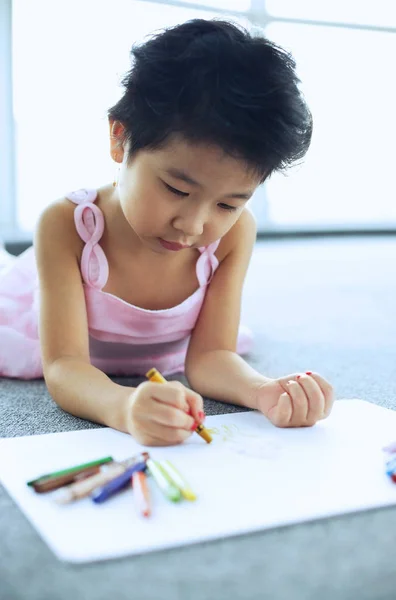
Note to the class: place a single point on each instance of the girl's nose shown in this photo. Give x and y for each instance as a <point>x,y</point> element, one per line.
<point>191,222</point>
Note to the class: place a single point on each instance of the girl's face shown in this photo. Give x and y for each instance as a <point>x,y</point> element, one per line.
<point>184,193</point>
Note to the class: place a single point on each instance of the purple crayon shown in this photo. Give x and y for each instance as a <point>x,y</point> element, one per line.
<point>391,448</point>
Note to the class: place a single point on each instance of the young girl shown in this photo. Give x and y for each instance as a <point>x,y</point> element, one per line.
<point>148,271</point>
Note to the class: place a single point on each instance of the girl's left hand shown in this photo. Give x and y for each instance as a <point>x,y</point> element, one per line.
<point>297,400</point>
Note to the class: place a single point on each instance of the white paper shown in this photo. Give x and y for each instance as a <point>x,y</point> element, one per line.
<point>253,476</point>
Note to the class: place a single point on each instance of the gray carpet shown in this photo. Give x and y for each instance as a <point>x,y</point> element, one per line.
<point>316,304</point>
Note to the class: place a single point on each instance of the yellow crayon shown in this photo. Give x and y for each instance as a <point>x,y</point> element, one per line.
<point>177,479</point>
<point>154,375</point>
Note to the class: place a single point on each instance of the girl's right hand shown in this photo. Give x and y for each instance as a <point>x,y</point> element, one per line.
<point>163,414</point>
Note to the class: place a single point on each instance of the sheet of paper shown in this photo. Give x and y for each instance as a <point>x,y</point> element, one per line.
<point>253,476</point>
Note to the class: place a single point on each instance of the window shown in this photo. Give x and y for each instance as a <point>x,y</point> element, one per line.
<point>68,58</point>
<point>360,12</point>
<point>347,178</point>
<point>65,55</point>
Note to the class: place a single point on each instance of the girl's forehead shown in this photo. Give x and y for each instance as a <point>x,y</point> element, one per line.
<point>178,146</point>
<point>201,160</point>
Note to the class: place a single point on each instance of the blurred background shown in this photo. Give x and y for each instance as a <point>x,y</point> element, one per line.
<point>61,66</point>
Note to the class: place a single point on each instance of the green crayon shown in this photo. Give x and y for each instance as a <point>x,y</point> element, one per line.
<point>70,470</point>
<point>165,485</point>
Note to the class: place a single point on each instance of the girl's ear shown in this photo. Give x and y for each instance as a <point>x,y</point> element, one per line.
<point>117,140</point>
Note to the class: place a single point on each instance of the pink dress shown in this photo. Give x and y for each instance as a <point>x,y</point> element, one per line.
<point>123,339</point>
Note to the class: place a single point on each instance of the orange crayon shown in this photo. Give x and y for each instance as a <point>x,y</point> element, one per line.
<point>141,493</point>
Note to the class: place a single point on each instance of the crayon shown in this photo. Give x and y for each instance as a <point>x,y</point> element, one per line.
<point>204,433</point>
<point>141,493</point>
<point>78,468</point>
<point>391,448</point>
<point>154,375</point>
<point>391,474</point>
<point>53,483</point>
<point>114,486</point>
<point>82,489</point>
<point>167,488</point>
<point>391,466</point>
<point>177,479</point>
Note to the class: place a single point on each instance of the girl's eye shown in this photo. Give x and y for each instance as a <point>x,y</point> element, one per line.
<point>180,193</point>
<point>175,191</point>
<point>227,207</point>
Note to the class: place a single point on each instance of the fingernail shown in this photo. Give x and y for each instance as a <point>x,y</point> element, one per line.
<point>201,415</point>
<point>308,372</point>
<point>193,426</point>
<point>298,376</point>
<point>189,412</point>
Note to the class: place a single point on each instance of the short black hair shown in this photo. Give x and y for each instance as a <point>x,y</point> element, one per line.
<point>212,81</point>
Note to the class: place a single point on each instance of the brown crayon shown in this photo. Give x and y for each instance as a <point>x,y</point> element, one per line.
<point>54,483</point>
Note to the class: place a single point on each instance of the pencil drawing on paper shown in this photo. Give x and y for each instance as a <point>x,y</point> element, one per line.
<point>244,442</point>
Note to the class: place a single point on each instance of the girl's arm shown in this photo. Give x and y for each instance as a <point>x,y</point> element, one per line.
<point>214,369</point>
<point>74,384</point>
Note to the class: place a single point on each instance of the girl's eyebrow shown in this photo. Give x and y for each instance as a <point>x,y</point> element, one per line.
<point>183,176</point>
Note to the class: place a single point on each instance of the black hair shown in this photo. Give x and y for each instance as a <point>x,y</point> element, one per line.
<point>212,81</point>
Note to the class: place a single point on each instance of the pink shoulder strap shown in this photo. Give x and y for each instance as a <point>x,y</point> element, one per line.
<point>90,225</point>
<point>207,263</point>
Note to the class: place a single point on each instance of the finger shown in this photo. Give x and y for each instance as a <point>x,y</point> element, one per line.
<point>327,391</point>
<point>186,399</point>
<point>280,414</point>
<point>161,435</point>
<point>169,416</point>
<point>283,381</point>
<point>195,402</point>
<point>150,440</point>
<point>316,399</point>
<point>172,392</point>
<point>325,387</point>
<point>300,404</point>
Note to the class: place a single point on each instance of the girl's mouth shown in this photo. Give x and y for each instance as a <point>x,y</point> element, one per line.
<point>174,246</point>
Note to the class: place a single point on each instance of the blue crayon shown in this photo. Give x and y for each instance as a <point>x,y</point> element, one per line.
<point>391,466</point>
<point>114,486</point>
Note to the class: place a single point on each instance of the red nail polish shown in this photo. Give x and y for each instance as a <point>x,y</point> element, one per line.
<point>308,372</point>
<point>298,376</point>
<point>201,415</point>
<point>193,426</point>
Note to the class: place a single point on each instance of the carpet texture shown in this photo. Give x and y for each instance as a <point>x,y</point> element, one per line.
<point>324,305</point>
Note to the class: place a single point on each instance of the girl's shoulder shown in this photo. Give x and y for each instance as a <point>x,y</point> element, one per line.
<point>56,224</point>
<point>243,231</point>
<point>59,217</point>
